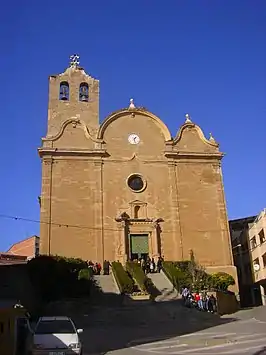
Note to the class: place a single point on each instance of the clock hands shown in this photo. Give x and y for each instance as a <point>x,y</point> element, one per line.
<point>133,139</point>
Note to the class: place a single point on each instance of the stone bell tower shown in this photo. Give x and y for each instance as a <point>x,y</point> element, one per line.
<point>73,94</point>
<point>73,123</point>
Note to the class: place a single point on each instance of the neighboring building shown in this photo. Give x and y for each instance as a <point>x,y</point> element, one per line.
<point>239,229</point>
<point>257,239</point>
<point>9,259</point>
<point>125,188</point>
<point>28,247</point>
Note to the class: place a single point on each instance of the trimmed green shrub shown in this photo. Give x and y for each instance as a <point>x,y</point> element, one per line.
<point>124,282</point>
<point>177,277</point>
<point>220,281</point>
<point>144,283</point>
<point>138,275</point>
<point>84,274</point>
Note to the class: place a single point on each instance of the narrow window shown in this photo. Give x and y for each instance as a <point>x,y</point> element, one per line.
<point>262,236</point>
<point>253,242</point>
<point>264,259</point>
<point>136,212</point>
<point>84,92</point>
<point>64,91</point>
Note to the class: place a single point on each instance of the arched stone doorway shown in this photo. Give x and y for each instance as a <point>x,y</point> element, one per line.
<point>138,237</point>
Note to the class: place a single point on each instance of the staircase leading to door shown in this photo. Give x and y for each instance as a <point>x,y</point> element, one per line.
<point>106,283</point>
<point>164,286</point>
<point>107,294</point>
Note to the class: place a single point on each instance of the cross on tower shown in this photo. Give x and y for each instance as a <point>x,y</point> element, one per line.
<point>74,60</point>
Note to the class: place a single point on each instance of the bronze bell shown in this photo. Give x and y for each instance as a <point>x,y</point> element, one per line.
<point>84,93</point>
<point>64,93</point>
<point>84,97</point>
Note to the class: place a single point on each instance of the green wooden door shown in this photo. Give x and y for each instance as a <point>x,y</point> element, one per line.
<point>139,245</point>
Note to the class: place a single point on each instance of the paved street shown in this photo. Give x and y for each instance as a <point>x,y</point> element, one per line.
<point>170,328</point>
<point>242,337</point>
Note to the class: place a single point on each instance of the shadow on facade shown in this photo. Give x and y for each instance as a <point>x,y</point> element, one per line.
<point>111,322</point>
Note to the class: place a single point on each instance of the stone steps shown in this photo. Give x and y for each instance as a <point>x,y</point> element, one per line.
<point>106,283</point>
<point>107,292</point>
<point>164,286</point>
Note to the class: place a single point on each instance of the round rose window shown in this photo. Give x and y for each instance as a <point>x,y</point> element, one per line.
<point>136,183</point>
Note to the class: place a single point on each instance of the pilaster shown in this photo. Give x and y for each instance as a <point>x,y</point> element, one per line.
<point>46,206</point>
<point>98,212</point>
<point>177,237</point>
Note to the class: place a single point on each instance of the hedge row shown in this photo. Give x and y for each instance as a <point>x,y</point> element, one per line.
<point>144,283</point>
<point>55,277</point>
<point>124,282</point>
<point>138,275</point>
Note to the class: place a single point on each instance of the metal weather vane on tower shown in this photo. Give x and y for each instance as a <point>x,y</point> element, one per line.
<point>74,60</point>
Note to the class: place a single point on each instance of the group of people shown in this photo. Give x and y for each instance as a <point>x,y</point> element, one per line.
<point>149,265</point>
<point>97,268</point>
<point>199,300</point>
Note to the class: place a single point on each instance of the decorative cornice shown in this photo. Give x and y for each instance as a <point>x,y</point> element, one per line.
<point>154,221</point>
<point>140,220</point>
<point>193,155</point>
<point>70,152</point>
<point>137,202</point>
<point>126,160</point>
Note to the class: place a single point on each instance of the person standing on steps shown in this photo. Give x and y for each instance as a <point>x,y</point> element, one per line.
<point>98,268</point>
<point>159,264</point>
<point>152,266</point>
<point>106,267</point>
<point>148,264</point>
<point>143,264</point>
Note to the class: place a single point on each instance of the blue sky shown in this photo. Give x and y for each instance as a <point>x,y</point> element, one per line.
<point>207,58</point>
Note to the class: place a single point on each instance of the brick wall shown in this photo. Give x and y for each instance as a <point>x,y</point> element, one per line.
<point>26,247</point>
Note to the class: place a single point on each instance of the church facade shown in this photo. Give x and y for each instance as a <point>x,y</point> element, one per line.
<point>125,188</point>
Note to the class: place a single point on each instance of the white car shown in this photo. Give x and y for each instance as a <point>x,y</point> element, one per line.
<point>56,336</point>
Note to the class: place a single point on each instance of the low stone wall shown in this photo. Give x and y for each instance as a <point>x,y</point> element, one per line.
<point>226,302</point>
<point>137,299</point>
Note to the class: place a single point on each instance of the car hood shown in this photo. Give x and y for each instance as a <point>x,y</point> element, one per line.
<point>55,340</point>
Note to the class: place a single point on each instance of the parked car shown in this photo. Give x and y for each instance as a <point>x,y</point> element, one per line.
<point>56,336</point>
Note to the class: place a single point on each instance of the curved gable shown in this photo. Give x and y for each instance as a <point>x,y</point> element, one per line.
<point>117,114</point>
<point>72,130</point>
<point>190,138</point>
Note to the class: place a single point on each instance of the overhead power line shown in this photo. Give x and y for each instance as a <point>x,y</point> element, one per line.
<point>68,225</point>
<point>16,218</point>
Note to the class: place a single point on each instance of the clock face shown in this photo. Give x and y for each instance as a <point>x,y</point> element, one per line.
<point>133,139</point>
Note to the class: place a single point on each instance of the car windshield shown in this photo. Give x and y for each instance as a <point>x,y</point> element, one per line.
<point>55,327</point>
